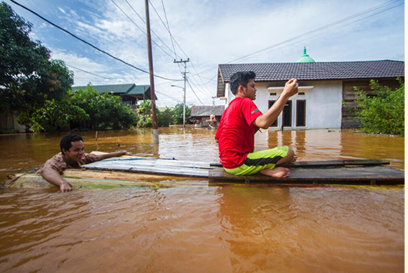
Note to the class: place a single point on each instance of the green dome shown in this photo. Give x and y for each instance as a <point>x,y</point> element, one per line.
<point>305,58</point>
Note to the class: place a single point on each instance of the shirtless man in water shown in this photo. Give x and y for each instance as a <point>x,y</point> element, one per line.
<point>71,156</point>
<point>239,123</point>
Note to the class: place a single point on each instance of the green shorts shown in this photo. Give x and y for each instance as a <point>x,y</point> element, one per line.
<point>260,160</point>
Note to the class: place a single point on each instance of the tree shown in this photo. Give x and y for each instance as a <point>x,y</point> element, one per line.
<point>105,111</point>
<point>145,114</point>
<point>53,116</point>
<point>165,117</point>
<point>178,113</point>
<point>383,112</point>
<point>28,76</point>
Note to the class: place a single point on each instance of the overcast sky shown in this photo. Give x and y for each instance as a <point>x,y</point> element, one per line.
<point>210,33</point>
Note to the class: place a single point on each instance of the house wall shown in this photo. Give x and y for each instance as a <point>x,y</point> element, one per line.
<point>9,124</point>
<point>323,103</point>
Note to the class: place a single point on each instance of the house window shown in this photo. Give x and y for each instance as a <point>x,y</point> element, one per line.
<point>275,123</point>
<point>287,114</point>
<point>300,113</point>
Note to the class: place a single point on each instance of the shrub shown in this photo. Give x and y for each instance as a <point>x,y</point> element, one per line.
<point>383,112</point>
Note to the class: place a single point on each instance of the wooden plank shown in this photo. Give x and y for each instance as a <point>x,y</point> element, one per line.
<point>345,175</point>
<point>167,167</point>
<point>329,163</point>
<point>152,162</point>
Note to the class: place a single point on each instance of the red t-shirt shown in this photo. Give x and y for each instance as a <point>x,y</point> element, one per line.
<point>236,132</point>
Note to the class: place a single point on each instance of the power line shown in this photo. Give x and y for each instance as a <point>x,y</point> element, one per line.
<point>194,92</point>
<point>88,43</point>
<point>141,28</point>
<point>168,28</point>
<point>320,34</point>
<point>200,86</point>
<point>88,72</point>
<point>167,95</point>
<point>318,29</point>
<point>172,38</point>
<point>315,30</point>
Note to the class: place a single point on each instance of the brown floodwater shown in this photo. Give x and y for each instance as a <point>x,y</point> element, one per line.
<point>201,227</point>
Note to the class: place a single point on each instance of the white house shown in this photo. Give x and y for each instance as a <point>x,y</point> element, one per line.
<point>323,87</point>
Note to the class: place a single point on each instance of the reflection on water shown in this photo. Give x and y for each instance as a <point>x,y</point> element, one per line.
<point>204,227</point>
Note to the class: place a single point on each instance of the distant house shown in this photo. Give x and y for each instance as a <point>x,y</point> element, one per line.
<point>201,114</point>
<point>130,93</point>
<point>9,124</point>
<point>323,86</point>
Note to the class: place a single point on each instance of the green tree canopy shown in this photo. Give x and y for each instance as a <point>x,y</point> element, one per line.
<point>178,113</point>
<point>28,77</point>
<point>105,111</point>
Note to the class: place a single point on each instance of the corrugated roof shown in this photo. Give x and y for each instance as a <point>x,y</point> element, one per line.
<point>112,88</point>
<point>138,90</point>
<point>206,111</point>
<point>317,71</point>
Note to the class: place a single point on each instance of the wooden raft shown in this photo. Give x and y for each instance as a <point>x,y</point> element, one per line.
<point>351,172</point>
<point>344,175</point>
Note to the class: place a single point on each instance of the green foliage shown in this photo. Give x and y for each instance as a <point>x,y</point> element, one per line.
<point>164,118</point>
<point>178,113</point>
<point>27,73</point>
<point>145,114</point>
<point>53,116</point>
<point>383,112</point>
<point>105,111</point>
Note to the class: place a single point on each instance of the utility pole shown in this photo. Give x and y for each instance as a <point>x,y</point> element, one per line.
<point>185,79</point>
<point>151,74</point>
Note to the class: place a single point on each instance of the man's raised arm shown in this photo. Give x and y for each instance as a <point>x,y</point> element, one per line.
<point>269,117</point>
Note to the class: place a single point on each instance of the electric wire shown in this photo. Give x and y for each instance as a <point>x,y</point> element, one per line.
<point>139,27</point>
<point>88,72</point>
<point>319,29</point>
<point>315,30</point>
<point>168,28</point>
<point>172,38</point>
<point>320,34</point>
<point>88,43</point>
<point>140,17</point>
<point>158,37</point>
<point>194,92</point>
<point>166,95</point>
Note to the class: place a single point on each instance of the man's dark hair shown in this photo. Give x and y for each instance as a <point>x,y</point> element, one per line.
<point>66,141</point>
<point>242,78</point>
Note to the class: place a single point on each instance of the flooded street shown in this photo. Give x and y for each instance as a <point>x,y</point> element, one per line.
<point>200,227</point>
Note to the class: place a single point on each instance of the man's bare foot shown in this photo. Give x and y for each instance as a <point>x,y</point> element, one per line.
<point>278,172</point>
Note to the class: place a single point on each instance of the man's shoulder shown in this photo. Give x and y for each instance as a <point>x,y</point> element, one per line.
<point>56,162</point>
<point>57,157</point>
<point>242,100</point>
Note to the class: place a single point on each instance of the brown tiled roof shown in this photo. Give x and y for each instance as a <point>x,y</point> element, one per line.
<point>206,111</point>
<point>317,70</point>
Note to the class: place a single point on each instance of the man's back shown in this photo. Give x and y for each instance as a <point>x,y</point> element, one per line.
<point>235,133</point>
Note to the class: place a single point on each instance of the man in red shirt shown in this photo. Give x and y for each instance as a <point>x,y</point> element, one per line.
<point>239,123</point>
